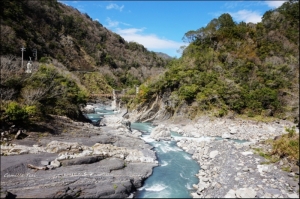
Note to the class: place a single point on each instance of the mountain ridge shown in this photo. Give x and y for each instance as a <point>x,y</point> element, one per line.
<point>232,68</point>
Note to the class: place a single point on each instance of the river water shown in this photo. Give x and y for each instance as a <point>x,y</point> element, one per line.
<point>175,175</point>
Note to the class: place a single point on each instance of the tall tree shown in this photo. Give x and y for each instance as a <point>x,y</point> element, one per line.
<point>225,20</point>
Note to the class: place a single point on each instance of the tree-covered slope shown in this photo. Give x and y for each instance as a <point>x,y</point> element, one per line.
<point>75,57</point>
<point>81,44</point>
<point>229,67</point>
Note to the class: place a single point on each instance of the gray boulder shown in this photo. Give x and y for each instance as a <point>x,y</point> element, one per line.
<point>160,132</point>
<point>245,193</point>
<point>82,160</point>
<point>55,163</point>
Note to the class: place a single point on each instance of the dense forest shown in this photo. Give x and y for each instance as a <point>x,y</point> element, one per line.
<point>232,68</point>
<point>74,39</point>
<point>72,57</point>
<point>226,68</point>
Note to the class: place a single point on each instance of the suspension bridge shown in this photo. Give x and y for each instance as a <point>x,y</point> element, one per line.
<point>111,95</point>
<point>116,94</point>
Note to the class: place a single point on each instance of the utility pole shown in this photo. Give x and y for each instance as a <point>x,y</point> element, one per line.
<point>35,54</point>
<point>137,90</point>
<point>22,49</point>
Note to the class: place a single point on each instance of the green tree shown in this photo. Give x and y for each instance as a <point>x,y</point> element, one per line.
<point>225,21</point>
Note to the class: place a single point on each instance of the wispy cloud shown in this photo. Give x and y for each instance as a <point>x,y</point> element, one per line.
<point>274,4</point>
<point>129,31</point>
<point>231,4</point>
<point>115,6</point>
<point>246,16</point>
<point>113,24</point>
<point>149,41</point>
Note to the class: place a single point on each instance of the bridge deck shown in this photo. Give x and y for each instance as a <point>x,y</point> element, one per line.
<point>110,95</point>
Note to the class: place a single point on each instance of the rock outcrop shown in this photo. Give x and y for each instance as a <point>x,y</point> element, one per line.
<point>81,161</point>
<point>161,132</point>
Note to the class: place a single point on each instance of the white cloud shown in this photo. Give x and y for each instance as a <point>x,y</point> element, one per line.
<point>130,31</point>
<point>115,6</point>
<point>246,16</point>
<point>231,4</point>
<point>112,23</point>
<point>274,4</point>
<point>149,41</point>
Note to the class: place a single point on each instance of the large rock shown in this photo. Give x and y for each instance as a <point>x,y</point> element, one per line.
<point>295,169</point>
<point>226,136</point>
<point>245,193</point>
<point>20,149</point>
<point>57,146</point>
<point>213,154</point>
<point>160,132</point>
<point>126,123</point>
<point>55,163</point>
<point>89,109</point>
<point>230,194</point>
<point>82,160</point>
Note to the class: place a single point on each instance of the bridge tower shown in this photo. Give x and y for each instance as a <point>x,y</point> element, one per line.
<point>114,102</point>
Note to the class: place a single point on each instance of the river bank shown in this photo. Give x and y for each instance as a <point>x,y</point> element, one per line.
<point>82,160</point>
<point>76,159</point>
<point>232,169</point>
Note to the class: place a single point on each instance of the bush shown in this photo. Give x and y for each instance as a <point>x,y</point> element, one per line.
<point>188,92</point>
<point>287,145</point>
<point>44,60</point>
<point>144,93</point>
<point>15,112</point>
<point>222,112</point>
<point>30,110</point>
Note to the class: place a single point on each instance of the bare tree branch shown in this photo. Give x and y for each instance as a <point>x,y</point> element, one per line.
<point>11,68</point>
<point>7,93</point>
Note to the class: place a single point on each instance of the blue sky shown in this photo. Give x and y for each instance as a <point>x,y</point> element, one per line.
<point>160,25</point>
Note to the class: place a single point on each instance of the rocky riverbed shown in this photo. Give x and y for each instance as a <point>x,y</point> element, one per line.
<point>230,169</point>
<point>75,160</point>
<point>78,159</point>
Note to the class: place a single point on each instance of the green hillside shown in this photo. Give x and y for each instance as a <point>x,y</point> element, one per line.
<point>236,68</point>
<point>72,56</point>
<point>74,39</point>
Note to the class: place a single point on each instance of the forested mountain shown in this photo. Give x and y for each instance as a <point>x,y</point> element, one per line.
<point>235,68</point>
<point>227,68</point>
<point>74,39</point>
<point>72,56</point>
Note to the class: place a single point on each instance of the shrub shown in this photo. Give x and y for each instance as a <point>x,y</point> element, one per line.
<point>222,112</point>
<point>15,112</point>
<point>188,92</point>
<point>44,60</point>
<point>30,110</point>
<point>287,145</point>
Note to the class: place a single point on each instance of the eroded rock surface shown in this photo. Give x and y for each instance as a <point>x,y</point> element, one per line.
<point>81,161</point>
